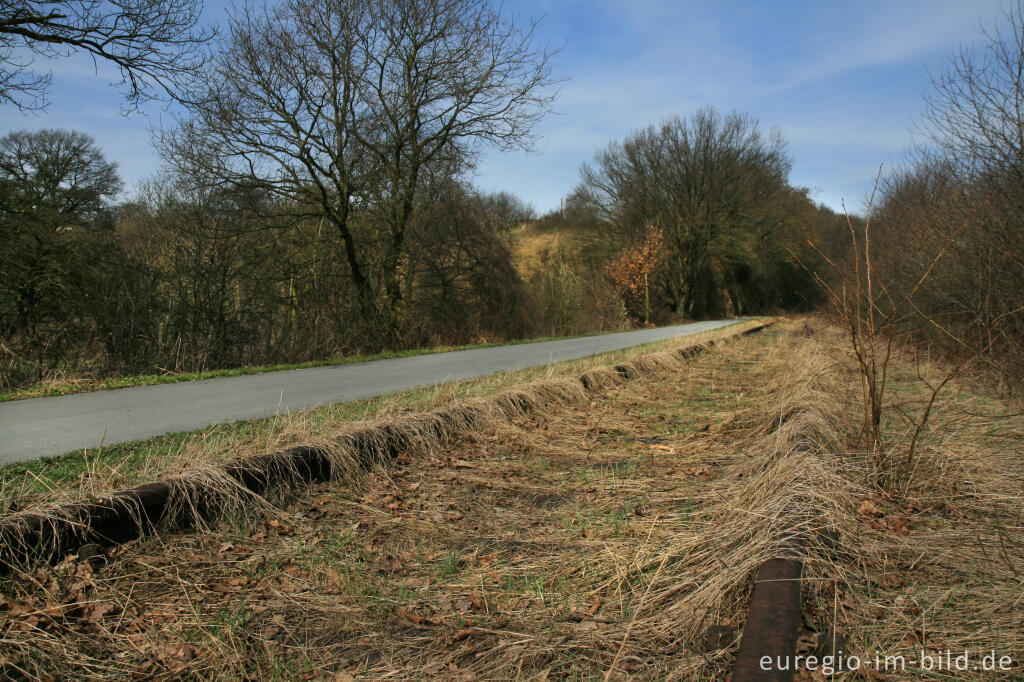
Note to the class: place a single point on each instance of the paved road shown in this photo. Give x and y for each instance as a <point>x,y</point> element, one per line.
<point>42,427</point>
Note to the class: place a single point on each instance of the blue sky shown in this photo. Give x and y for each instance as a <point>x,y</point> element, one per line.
<point>843,81</point>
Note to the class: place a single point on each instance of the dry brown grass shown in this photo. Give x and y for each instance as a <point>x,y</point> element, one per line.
<point>533,248</point>
<point>201,488</point>
<point>942,564</point>
<point>597,538</point>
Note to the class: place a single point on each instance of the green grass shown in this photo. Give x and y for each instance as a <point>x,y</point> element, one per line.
<point>49,390</point>
<point>39,475</point>
<point>449,566</point>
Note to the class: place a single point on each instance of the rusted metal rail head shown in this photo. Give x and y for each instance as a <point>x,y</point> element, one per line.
<point>764,324</point>
<point>128,514</point>
<point>768,646</point>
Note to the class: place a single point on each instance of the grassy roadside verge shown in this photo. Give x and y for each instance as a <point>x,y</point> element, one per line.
<point>70,386</point>
<point>94,472</point>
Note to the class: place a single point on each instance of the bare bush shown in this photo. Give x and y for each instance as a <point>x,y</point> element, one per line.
<point>874,313</point>
<point>966,191</point>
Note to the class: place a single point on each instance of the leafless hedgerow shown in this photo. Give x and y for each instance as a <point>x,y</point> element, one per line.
<point>964,192</point>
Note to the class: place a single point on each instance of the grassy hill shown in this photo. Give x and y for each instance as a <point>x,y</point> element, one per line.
<point>536,244</point>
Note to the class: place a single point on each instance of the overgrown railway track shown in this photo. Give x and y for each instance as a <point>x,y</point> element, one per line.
<point>767,647</point>
<point>176,504</point>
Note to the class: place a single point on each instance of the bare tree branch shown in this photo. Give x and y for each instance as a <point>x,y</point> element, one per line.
<point>157,45</point>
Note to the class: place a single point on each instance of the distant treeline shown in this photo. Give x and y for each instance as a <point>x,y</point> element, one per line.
<point>190,276</point>
<point>315,204</point>
<point>184,279</point>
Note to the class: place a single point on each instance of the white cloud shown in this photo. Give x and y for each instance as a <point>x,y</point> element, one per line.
<point>858,36</point>
<point>790,64</point>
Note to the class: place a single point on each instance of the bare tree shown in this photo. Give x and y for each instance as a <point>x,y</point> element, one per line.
<point>54,188</point>
<point>968,182</point>
<point>54,177</point>
<point>156,44</point>
<point>717,187</point>
<point>460,280</point>
<point>352,105</point>
<point>975,109</point>
<point>451,74</point>
<point>506,211</point>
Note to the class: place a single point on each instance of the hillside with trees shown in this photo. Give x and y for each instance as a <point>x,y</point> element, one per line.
<point>317,202</point>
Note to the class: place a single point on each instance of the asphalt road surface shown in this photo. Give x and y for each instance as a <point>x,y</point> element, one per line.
<point>42,427</point>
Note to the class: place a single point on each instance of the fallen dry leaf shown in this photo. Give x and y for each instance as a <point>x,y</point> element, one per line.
<point>891,580</point>
<point>334,577</point>
<point>898,524</point>
<point>295,570</point>
<point>13,609</point>
<point>101,609</point>
<point>279,528</point>
<point>869,508</point>
<point>181,657</point>
<point>412,617</point>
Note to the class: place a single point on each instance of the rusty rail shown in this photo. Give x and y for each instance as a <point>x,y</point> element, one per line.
<point>768,646</point>
<point>129,514</point>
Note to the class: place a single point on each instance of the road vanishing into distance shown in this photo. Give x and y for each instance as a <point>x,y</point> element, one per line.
<point>43,427</point>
